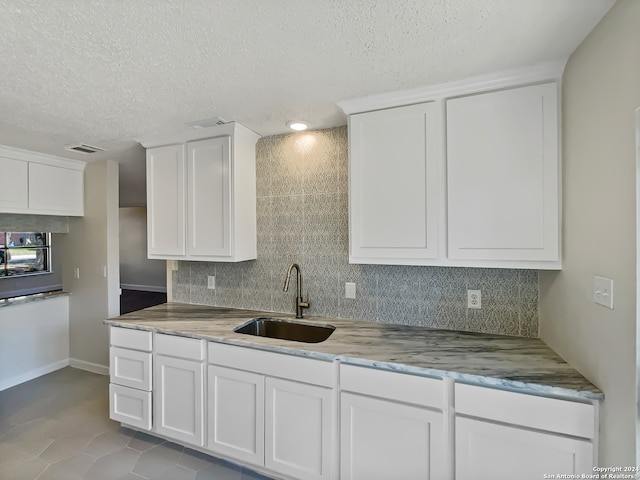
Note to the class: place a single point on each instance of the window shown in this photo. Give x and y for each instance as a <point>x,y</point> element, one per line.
<point>24,253</point>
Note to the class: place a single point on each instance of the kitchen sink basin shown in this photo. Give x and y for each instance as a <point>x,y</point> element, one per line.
<point>286,330</point>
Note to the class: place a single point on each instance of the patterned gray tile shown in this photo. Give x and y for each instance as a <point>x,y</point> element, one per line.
<point>265,153</point>
<point>288,169</point>
<point>528,292</point>
<point>228,292</point>
<point>256,283</point>
<point>288,222</point>
<point>529,326</point>
<point>302,216</point>
<point>321,171</point>
<point>265,225</point>
<point>399,311</point>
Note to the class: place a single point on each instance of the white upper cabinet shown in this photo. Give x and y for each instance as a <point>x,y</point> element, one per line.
<point>165,201</point>
<point>208,222</point>
<point>395,184</point>
<point>464,174</point>
<point>201,195</point>
<point>41,184</point>
<point>502,175</point>
<point>14,194</point>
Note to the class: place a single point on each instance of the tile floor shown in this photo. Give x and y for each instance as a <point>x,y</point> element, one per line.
<point>58,427</point>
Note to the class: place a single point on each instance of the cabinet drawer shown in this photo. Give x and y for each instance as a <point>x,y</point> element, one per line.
<point>300,369</point>
<point>542,413</point>
<point>181,347</point>
<point>401,387</point>
<point>129,338</point>
<point>130,368</point>
<point>130,406</point>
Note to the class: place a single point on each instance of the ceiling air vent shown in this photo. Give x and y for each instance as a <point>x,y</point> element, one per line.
<point>83,148</point>
<point>208,122</point>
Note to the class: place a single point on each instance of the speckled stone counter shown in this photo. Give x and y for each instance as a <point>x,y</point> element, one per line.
<point>523,364</point>
<point>36,297</point>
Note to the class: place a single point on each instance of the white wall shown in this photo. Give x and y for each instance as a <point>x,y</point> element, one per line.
<point>137,272</point>
<point>601,91</point>
<point>92,245</point>
<point>34,339</point>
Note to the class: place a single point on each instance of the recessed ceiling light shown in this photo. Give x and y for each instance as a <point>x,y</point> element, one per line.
<point>297,125</point>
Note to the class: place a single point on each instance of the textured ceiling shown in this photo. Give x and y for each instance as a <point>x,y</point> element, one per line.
<point>105,71</point>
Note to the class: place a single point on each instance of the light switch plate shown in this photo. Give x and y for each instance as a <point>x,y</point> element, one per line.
<point>211,282</point>
<point>603,291</point>
<point>350,290</point>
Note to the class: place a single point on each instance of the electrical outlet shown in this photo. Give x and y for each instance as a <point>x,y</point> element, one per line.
<point>350,290</point>
<point>474,299</point>
<point>211,282</point>
<point>603,291</point>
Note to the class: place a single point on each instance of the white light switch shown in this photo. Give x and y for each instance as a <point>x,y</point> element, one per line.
<point>350,290</point>
<point>211,282</point>
<point>603,291</point>
<point>76,273</point>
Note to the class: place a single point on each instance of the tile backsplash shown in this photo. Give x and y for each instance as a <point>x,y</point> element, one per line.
<point>302,216</point>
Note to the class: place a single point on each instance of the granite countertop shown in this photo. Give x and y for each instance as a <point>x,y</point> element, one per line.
<point>523,364</point>
<point>34,297</point>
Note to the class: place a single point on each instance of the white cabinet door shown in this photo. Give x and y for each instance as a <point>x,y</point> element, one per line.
<point>395,185</point>
<point>381,439</point>
<point>503,452</point>
<point>208,203</point>
<point>179,401</point>
<point>14,194</point>
<point>298,429</point>
<point>55,190</point>
<point>166,201</point>
<point>235,412</point>
<point>503,175</point>
<point>130,406</point>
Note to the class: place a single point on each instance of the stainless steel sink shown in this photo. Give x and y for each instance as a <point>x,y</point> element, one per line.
<point>286,330</point>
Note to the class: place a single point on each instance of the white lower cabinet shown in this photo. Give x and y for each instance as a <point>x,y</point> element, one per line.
<point>383,439</point>
<point>235,414</point>
<point>392,428</point>
<point>278,416</point>
<point>179,388</point>
<point>179,400</point>
<point>307,419</point>
<point>298,429</point>
<point>504,452</point>
<point>130,406</point>
<point>130,375</point>
<point>505,435</point>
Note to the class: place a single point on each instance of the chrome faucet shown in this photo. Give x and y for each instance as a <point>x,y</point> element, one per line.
<point>300,304</point>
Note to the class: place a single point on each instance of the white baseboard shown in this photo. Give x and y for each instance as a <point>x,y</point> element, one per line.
<point>89,367</point>
<point>144,288</point>
<point>38,372</point>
